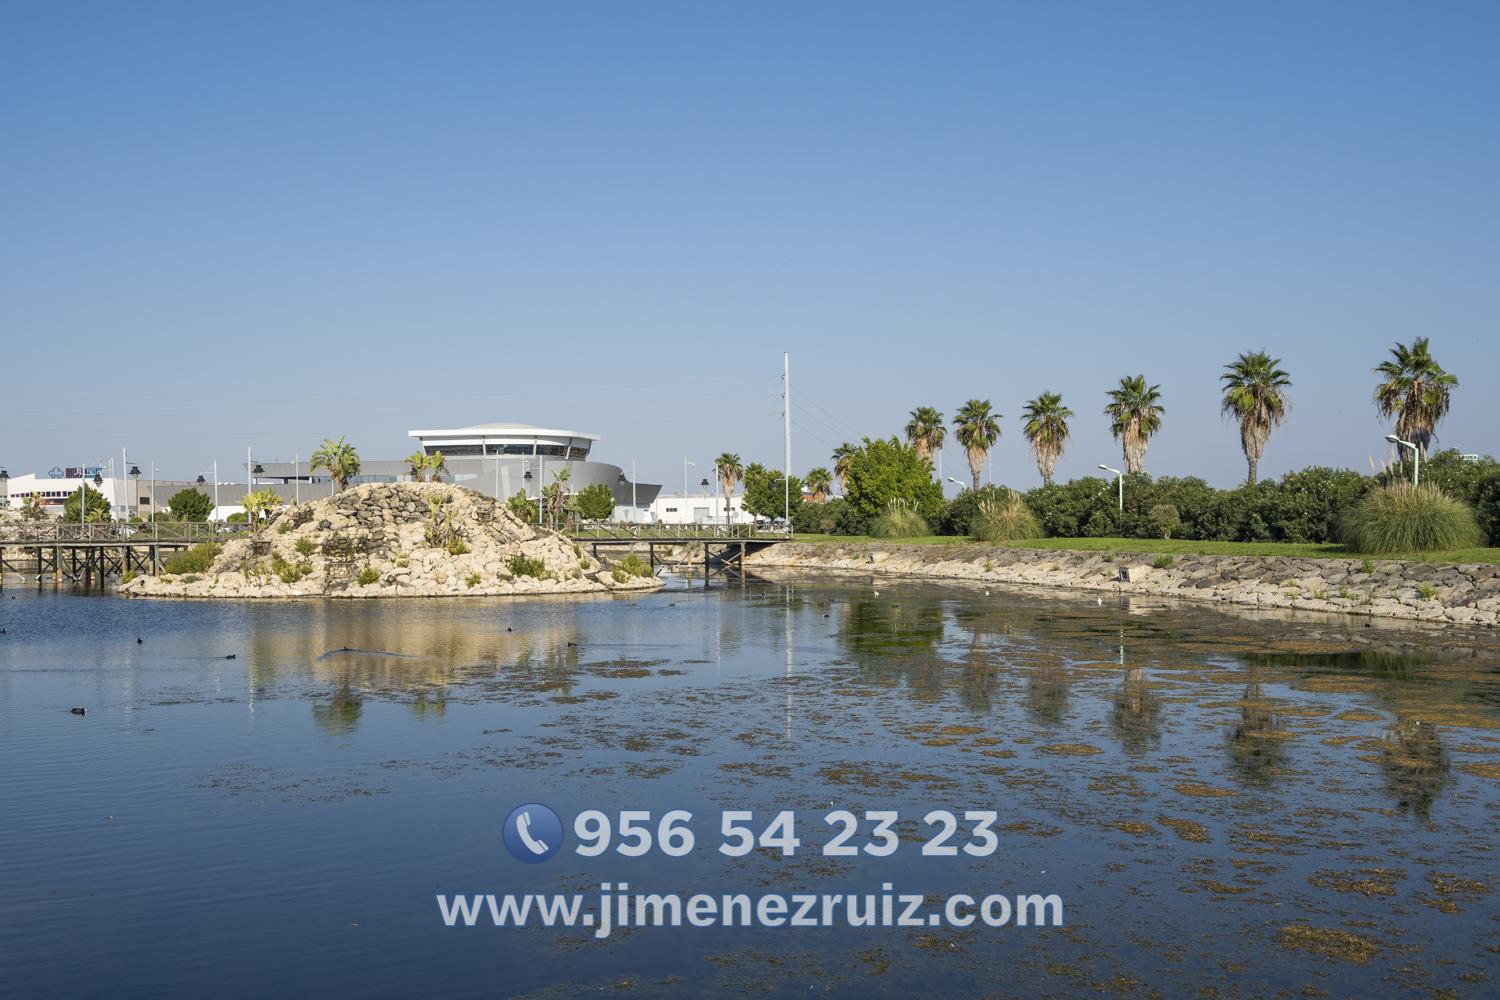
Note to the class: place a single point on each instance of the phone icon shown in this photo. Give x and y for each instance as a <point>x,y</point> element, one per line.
<point>523,828</point>
<point>533,833</point>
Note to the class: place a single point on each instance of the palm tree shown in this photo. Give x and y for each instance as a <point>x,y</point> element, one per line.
<point>416,464</point>
<point>1046,428</point>
<point>1416,390</point>
<point>925,431</point>
<point>977,429</point>
<point>819,481</point>
<point>339,458</point>
<point>843,458</point>
<point>1255,395</point>
<point>437,467</point>
<point>730,471</point>
<point>1135,414</point>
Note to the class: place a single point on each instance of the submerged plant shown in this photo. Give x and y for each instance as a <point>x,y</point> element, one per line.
<point>1406,518</point>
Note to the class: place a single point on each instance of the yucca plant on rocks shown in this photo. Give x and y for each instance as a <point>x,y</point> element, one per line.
<point>1406,518</point>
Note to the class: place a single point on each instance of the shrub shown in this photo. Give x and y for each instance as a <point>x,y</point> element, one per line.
<point>1166,519</point>
<point>818,518</point>
<point>900,520</point>
<point>958,514</point>
<point>238,517</point>
<point>305,547</point>
<point>522,508</point>
<point>191,505</point>
<point>1162,562</point>
<point>632,565</point>
<point>1403,518</point>
<point>471,581</point>
<point>1007,520</point>
<point>367,576</point>
<point>127,576</point>
<point>194,560</point>
<point>526,566</point>
<point>457,546</point>
<point>595,503</point>
<point>289,572</point>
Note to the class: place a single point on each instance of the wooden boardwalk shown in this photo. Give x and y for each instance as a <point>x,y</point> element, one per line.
<point>88,554</point>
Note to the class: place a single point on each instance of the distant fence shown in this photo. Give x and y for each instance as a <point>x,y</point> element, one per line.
<point>599,530</point>
<point>53,532</point>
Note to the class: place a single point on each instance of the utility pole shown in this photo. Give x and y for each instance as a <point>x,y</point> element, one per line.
<point>216,486</point>
<point>786,413</point>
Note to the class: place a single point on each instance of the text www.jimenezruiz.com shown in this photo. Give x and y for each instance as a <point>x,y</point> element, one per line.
<point>617,907</point>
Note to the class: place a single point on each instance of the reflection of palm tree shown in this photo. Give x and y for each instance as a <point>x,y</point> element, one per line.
<point>978,677</point>
<point>1415,765</point>
<point>340,715</point>
<point>1047,693</point>
<point>1136,715</point>
<point>1256,744</point>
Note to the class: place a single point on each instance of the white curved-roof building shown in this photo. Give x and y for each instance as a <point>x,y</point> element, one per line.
<point>481,440</point>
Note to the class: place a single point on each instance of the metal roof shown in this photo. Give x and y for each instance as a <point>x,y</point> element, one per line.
<point>503,429</point>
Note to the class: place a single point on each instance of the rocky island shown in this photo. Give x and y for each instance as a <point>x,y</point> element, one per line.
<point>393,540</point>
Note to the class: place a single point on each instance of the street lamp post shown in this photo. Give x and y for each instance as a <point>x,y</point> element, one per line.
<point>685,464</point>
<point>4,487</point>
<point>1120,481</point>
<point>135,481</point>
<point>1416,457</point>
<point>955,482</point>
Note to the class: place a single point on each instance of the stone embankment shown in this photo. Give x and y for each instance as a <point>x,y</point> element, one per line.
<point>1435,592</point>
<point>396,540</point>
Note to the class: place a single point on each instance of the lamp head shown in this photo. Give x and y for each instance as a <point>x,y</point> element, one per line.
<point>135,472</point>
<point>1393,439</point>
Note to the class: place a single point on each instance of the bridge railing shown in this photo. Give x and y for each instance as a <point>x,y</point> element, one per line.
<point>619,530</point>
<point>54,532</point>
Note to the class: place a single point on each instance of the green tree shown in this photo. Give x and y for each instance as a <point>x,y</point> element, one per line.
<point>1255,395</point>
<point>765,494</point>
<point>978,429</point>
<point>191,505</point>
<point>925,431</point>
<point>1416,391</point>
<point>1045,424</point>
<point>339,458</point>
<point>883,470</point>
<point>819,481</point>
<point>1135,413</point>
<point>840,457</point>
<point>437,467</point>
<point>96,511</point>
<point>596,502</point>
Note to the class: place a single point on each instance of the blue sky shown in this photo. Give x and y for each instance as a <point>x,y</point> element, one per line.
<point>257,224</point>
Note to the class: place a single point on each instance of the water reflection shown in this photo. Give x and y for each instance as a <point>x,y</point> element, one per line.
<point>1136,713</point>
<point>1415,765</point>
<point>1257,745</point>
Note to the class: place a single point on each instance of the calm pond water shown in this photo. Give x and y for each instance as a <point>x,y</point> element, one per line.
<point>1238,805</point>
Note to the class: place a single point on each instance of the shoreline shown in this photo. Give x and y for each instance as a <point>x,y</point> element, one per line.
<point>1467,594</point>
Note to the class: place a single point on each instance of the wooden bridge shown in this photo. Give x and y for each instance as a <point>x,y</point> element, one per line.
<point>724,545</point>
<point>87,554</point>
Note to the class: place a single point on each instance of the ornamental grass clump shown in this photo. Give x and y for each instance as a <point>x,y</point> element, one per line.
<point>900,520</point>
<point>1008,520</point>
<point>1406,518</point>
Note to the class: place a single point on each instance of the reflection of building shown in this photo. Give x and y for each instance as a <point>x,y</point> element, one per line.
<point>495,459</point>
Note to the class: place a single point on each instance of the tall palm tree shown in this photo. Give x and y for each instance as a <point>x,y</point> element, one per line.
<point>1416,390</point>
<point>1135,414</point>
<point>730,471</point>
<point>339,458</point>
<point>1046,428</point>
<point>977,429</point>
<point>925,431</point>
<point>819,481</point>
<point>1255,395</point>
<point>843,458</point>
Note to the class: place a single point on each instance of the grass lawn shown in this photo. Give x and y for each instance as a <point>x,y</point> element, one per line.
<point>1156,546</point>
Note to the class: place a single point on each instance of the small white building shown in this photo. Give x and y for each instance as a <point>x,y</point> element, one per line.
<point>697,509</point>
